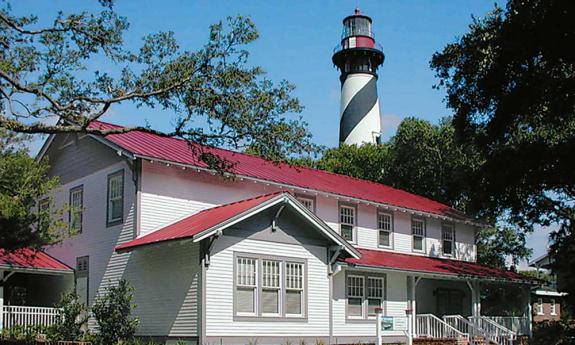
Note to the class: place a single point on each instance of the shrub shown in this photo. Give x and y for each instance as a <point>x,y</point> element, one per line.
<point>113,312</point>
<point>71,320</point>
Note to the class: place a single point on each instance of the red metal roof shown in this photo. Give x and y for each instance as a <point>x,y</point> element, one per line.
<point>176,150</point>
<point>198,222</point>
<point>31,259</point>
<point>425,264</point>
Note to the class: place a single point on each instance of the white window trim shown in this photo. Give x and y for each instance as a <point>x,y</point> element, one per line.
<point>73,210</point>
<point>280,288</point>
<point>247,286</point>
<point>552,307</point>
<point>423,236</point>
<point>114,221</point>
<point>540,306</point>
<point>391,230</point>
<point>311,199</point>
<point>452,240</point>
<point>353,226</point>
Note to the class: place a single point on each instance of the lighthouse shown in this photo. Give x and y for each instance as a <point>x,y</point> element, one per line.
<point>358,57</point>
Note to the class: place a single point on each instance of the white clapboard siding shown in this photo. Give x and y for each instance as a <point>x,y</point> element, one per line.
<point>219,290</point>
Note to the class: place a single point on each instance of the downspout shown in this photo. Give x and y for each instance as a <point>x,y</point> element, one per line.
<point>331,261</point>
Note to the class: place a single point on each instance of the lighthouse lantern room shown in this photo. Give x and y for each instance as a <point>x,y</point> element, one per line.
<point>358,57</point>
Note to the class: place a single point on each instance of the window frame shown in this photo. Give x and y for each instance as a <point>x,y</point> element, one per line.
<point>390,231</point>
<point>366,276</point>
<point>120,220</point>
<point>452,240</point>
<point>258,315</point>
<point>254,287</point>
<point>540,310</point>
<point>353,207</point>
<point>300,197</point>
<point>552,307</point>
<point>83,272</point>
<point>79,188</point>
<point>423,236</point>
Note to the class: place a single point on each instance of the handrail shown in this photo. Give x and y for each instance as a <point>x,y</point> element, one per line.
<point>517,324</point>
<point>429,325</point>
<point>494,331</point>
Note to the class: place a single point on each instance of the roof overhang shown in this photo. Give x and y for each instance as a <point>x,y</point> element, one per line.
<point>32,270</point>
<point>550,293</point>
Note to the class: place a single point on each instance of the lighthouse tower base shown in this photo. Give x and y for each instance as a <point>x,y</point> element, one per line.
<point>360,121</point>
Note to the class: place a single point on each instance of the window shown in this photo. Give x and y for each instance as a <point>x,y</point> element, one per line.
<point>269,287</point>
<point>540,306</point>
<point>75,214</point>
<point>294,288</point>
<point>418,232</point>
<point>82,278</point>
<point>347,222</point>
<point>364,295</point>
<point>385,226</point>
<point>374,294</point>
<point>115,207</point>
<point>309,203</point>
<point>246,286</point>
<point>355,296</point>
<point>552,307</point>
<point>447,235</point>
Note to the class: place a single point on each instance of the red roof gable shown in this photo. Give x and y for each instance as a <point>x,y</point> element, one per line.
<point>198,222</point>
<point>176,150</point>
<point>425,264</point>
<point>31,259</point>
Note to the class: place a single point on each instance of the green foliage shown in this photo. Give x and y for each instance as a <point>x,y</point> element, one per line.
<point>71,321</point>
<point>113,312</point>
<point>496,243</point>
<point>24,181</point>
<point>553,333</point>
<point>509,81</point>
<point>213,95</point>
<point>23,334</point>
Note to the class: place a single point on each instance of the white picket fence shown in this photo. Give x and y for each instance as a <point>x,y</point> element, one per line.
<point>28,316</point>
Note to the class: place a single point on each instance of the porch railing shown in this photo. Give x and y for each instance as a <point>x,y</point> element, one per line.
<point>430,326</point>
<point>28,316</point>
<point>518,324</point>
<point>464,326</point>
<point>494,331</point>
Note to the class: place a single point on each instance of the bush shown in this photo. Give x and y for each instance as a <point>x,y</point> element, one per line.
<point>71,321</point>
<point>113,312</point>
<point>23,335</point>
<point>553,333</point>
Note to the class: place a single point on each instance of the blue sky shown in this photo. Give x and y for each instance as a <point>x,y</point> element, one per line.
<point>296,43</point>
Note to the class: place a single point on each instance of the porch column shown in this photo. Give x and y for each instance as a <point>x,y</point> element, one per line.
<point>529,311</point>
<point>411,301</point>
<point>475,288</point>
<point>1,300</point>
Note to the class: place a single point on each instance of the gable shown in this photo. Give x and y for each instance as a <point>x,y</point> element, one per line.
<point>72,156</point>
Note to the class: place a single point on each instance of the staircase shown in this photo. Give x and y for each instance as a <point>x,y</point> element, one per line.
<point>430,326</point>
<point>481,330</point>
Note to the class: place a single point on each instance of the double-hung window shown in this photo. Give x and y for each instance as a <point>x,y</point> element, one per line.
<point>269,287</point>
<point>347,220</point>
<point>309,203</point>
<point>115,206</point>
<point>294,289</point>
<point>246,286</point>
<point>552,307</point>
<point>365,294</point>
<point>418,234</point>
<point>355,295</point>
<point>540,306</point>
<point>385,227</point>
<point>448,239</point>
<point>76,212</point>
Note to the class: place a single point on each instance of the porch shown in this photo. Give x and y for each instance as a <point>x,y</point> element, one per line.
<point>31,283</point>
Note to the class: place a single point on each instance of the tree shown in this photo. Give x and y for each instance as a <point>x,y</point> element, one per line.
<point>216,96</point>
<point>113,312</point>
<point>71,320</point>
<point>511,84</point>
<point>427,160</point>
<point>23,183</point>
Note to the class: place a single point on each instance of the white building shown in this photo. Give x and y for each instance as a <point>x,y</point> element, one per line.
<point>269,255</point>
